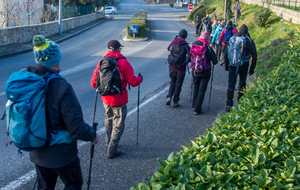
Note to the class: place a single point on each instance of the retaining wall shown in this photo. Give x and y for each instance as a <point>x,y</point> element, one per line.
<point>284,13</point>
<point>22,34</point>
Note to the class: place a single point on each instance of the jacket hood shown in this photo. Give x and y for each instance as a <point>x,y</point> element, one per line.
<point>229,27</point>
<point>40,69</point>
<point>117,55</point>
<point>179,41</point>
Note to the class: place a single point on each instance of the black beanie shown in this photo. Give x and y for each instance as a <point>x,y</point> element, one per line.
<point>229,22</point>
<point>183,34</point>
<point>244,29</point>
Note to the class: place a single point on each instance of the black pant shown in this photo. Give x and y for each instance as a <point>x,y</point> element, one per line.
<point>200,86</point>
<point>223,53</point>
<point>242,72</point>
<point>177,78</point>
<point>218,50</point>
<point>70,175</point>
<point>197,26</point>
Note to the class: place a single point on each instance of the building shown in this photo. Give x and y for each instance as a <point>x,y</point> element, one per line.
<point>20,12</point>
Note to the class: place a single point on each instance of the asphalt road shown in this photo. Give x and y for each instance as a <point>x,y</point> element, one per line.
<point>162,129</point>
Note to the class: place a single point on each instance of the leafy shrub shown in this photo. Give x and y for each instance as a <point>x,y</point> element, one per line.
<point>261,16</point>
<point>140,19</point>
<point>192,15</point>
<point>201,12</point>
<point>171,5</point>
<point>255,146</point>
<point>210,10</point>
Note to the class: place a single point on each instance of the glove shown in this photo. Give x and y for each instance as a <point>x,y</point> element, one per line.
<point>140,76</point>
<point>251,72</point>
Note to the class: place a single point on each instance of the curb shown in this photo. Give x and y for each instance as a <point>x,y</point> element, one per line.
<point>57,41</point>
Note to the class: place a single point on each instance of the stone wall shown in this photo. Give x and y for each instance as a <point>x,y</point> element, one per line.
<point>284,13</point>
<point>26,33</point>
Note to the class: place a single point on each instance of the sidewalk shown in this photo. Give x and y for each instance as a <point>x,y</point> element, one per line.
<point>19,48</point>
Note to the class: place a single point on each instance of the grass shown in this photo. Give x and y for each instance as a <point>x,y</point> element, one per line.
<point>262,36</point>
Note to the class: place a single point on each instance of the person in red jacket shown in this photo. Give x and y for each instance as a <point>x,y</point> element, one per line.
<point>226,33</point>
<point>116,105</point>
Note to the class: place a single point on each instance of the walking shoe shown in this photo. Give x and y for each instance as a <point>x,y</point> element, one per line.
<point>168,101</point>
<point>222,63</point>
<point>176,105</point>
<point>228,108</point>
<point>113,155</point>
<point>197,113</point>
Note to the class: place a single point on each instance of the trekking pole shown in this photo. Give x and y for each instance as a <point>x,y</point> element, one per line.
<point>212,78</point>
<point>191,97</point>
<point>92,146</point>
<point>138,115</point>
<point>34,185</point>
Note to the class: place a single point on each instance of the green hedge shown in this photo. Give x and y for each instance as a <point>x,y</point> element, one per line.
<point>201,12</point>
<point>255,146</point>
<point>140,19</point>
<point>192,15</point>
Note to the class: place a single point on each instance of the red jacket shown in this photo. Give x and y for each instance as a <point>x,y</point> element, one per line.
<point>223,33</point>
<point>127,74</point>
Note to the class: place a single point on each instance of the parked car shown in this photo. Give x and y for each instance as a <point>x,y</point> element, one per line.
<point>110,10</point>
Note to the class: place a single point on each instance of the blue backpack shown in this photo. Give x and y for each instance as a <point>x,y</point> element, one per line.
<point>236,51</point>
<point>26,112</point>
<point>227,36</point>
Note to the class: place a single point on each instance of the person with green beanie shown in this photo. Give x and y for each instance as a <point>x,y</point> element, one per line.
<point>63,112</point>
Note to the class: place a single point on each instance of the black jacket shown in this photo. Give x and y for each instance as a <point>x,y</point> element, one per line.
<point>202,27</point>
<point>210,56</point>
<point>250,50</point>
<point>62,110</point>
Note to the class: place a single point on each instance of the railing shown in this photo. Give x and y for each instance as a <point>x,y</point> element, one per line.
<point>290,4</point>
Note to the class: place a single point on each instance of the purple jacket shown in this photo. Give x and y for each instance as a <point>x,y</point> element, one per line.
<point>180,41</point>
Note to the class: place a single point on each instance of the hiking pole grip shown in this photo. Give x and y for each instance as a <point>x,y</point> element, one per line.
<point>92,156</point>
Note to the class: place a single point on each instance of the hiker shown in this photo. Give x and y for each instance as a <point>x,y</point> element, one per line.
<point>178,48</point>
<point>201,56</point>
<point>205,26</point>
<point>63,112</point>
<point>242,67</point>
<point>215,40</point>
<point>115,104</point>
<point>214,27</point>
<point>197,22</point>
<point>225,35</point>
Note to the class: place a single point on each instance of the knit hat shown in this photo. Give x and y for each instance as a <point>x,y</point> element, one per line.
<point>183,34</point>
<point>244,29</point>
<point>229,22</point>
<point>204,38</point>
<point>46,52</point>
<point>114,45</point>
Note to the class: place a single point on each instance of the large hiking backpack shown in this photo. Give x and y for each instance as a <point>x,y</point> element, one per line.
<point>236,55</point>
<point>176,57</point>
<point>228,34</point>
<point>26,112</point>
<point>109,81</point>
<point>199,62</point>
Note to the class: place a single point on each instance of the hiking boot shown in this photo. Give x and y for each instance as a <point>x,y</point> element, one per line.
<point>228,108</point>
<point>113,155</point>
<point>168,101</point>
<point>197,113</point>
<point>176,105</point>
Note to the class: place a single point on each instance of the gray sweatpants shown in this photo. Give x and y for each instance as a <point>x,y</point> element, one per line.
<point>114,125</point>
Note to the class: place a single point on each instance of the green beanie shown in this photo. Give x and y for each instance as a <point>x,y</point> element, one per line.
<point>46,52</point>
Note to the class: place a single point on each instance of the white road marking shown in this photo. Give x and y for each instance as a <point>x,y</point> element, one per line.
<point>32,174</point>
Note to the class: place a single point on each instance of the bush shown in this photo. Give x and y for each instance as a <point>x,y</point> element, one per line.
<point>210,10</point>
<point>140,19</point>
<point>255,146</point>
<point>171,5</point>
<point>192,15</point>
<point>261,16</point>
<point>201,12</point>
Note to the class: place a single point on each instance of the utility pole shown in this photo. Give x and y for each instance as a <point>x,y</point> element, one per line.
<point>59,16</point>
<point>225,11</point>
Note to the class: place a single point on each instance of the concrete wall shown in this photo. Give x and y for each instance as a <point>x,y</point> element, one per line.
<point>280,11</point>
<point>26,33</point>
